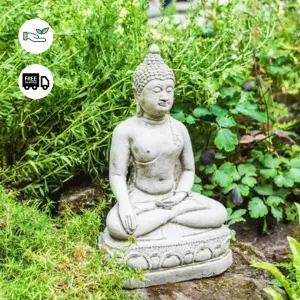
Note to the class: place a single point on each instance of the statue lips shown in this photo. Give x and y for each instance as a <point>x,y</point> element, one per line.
<point>163,104</point>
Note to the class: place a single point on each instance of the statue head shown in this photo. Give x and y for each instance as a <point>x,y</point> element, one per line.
<point>153,85</point>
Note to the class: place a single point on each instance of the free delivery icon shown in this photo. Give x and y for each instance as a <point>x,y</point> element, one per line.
<point>35,81</point>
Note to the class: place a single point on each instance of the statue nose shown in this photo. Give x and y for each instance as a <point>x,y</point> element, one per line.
<point>164,97</point>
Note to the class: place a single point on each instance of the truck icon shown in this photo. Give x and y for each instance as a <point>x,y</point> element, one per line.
<point>34,80</point>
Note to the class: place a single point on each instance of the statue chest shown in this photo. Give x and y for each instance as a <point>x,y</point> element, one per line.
<point>151,143</point>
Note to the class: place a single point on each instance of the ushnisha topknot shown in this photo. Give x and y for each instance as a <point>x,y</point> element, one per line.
<point>153,67</point>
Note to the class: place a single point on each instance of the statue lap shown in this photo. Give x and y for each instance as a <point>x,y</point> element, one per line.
<point>196,211</point>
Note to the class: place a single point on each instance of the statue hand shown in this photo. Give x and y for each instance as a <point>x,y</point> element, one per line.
<point>128,217</point>
<point>171,201</point>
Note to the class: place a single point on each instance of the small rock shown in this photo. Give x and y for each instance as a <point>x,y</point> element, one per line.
<point>76,199</point>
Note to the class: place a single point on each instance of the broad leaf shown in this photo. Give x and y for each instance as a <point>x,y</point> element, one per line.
<point>276,213</point>
<point>295,163</point>
<point>247,169</point>
<point>209,186</point>
<point>179,116</point>
<point>226,121</point>
<point>236,216</point>
<point>251,110</point>
<point>268,173</point>
<point>238,213</point>
<point>250,181</point>
<point>228,92</point>
<point>257,154</point>
<point>271,162</point>
<point>190,120</point>
<point>221,178</point>
<point>264,190</point>
<point>274,200</point>
<point>295,174</point>
<point>200,112</point>
<point>197,179</point>
<point>230,169</point>
<point>257,208</point>
<point>210,169</point>
<point>284,180</point>
<point>197,188</point>
<point>218,110</point>
<point>226,140</point>
<point>228,188</point>
<point>243,189</point>
<point>283,193</point>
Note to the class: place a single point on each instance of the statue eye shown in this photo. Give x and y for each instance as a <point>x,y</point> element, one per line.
<point>169,89</point>
<point>157,89</point>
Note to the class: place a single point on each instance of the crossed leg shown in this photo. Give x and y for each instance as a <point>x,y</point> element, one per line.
<point>212,216</point>
<point>196,211</point>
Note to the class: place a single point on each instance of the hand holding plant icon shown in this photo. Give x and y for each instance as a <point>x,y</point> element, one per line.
<point>35,37</point>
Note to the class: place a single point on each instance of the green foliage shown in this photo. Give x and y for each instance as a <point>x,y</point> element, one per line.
<point>255,181</point>
<point>226,140</point>
<point>291,285</point>
<point>235,216</point>
<point>244,127</point>
<point>96,47</point>
<point>42,258</point>
<point>257,208</point>
<point>224,70</point>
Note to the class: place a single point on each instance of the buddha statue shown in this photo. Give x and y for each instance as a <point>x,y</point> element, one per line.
<point>151,174</point>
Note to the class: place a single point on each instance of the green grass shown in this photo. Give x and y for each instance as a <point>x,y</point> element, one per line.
<point>43,258</point>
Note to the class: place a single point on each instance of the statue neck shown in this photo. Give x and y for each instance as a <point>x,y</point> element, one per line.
<point>157,120</point>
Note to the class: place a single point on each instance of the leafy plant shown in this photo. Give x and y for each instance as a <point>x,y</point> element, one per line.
<point>262,182</point>
<point>291,286</point>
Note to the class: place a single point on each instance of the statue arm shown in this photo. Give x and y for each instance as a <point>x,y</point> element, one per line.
<point>118,165</point>
<point>186,180</point>
<point>118,168</point>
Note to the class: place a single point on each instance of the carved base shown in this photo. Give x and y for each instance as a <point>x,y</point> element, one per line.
<point>174,253</point>
<point>183,273</point>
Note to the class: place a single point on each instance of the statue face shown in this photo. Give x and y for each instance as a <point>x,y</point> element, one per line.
<point>157,97</point>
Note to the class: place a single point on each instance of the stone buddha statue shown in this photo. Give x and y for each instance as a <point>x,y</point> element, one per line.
<point>151,174</point>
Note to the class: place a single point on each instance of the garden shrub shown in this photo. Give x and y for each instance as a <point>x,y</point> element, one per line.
<point>226,70</point>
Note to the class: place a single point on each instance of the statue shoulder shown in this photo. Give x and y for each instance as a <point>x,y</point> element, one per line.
<point>125,128</point>
<point>179,125</point>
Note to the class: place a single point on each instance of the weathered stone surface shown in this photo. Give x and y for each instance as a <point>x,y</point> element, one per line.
<point>178,254</point>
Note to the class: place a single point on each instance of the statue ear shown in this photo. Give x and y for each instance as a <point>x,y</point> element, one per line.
<point>135,93</point>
